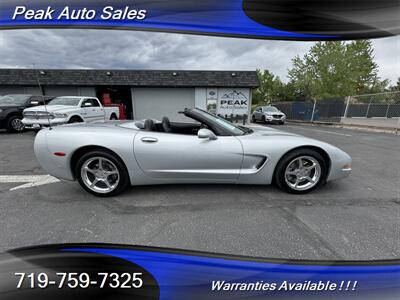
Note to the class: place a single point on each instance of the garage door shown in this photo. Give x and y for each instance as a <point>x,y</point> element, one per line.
<point>158,102</point>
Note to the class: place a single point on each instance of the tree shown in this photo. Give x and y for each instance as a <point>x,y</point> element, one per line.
<point>395,88</point>
<point>335,69</point>
<point>271,88</point>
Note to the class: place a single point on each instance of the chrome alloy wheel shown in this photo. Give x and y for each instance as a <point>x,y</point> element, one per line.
<point>100,175</point>
<point>302,173</point>
<point>17,124</point>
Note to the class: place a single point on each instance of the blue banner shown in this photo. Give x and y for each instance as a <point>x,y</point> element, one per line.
<point>57,271</point>
<point>271,19</point>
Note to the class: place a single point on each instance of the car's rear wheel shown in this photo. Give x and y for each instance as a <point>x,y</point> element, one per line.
<point>301,171</point>
<point>263,119</point>
<point>253,119</point>
<point>113,117</point>
<point>14,124</point>
<point>102,173</point>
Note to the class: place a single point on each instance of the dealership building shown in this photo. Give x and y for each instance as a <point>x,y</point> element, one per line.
<point>145,93</point>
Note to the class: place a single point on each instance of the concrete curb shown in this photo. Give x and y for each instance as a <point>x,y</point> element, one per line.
<point>392,130</point>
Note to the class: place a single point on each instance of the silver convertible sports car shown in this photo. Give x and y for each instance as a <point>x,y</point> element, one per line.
<point>106,158</point>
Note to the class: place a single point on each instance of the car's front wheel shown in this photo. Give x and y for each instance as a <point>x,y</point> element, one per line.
<point>75,120</point>
<point>14,124</point>
<point>102,173</point>
<point>301,171</point>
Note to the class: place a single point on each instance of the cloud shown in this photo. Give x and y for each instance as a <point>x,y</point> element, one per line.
<point>113,49</point>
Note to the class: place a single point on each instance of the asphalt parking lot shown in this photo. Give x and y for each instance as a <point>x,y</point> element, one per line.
<point>357,218</point>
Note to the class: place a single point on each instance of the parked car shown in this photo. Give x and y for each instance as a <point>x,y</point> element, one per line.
<point>105,158</point>
<point>268,114</point>
<point>68,109</point>
<point>12,107</point>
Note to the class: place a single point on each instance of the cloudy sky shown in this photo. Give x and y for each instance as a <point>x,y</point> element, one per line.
<point>74,48</point>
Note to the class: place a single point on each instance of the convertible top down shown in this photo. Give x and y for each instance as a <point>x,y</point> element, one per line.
<point>107,157</point>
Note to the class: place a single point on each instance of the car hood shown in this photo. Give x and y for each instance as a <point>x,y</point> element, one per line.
<point>52,108</point>
<point>267,131</point>
<point>4,106</point>
<point>273,113</point>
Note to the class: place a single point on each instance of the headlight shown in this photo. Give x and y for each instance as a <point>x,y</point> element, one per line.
<point>60,115</point>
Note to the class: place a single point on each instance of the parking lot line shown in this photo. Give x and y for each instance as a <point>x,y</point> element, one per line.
<point>28,180</point>
<point>319,130</point>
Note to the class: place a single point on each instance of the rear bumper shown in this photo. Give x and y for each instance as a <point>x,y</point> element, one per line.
<point>55,165</point>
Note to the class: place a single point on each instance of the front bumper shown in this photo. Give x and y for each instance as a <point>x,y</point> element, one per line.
<point>271,119</point>
<point>340,165</point>
<point>38,124</point>
<point>3,124</point>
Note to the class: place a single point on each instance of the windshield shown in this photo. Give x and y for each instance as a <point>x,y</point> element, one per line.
<point>270,109</point>
<point>70,101</point>
<point>234,130</point>
<point>13,100</point>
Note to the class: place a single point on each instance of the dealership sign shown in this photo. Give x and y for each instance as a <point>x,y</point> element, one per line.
<point>272,19</point>
<point>233,101</point>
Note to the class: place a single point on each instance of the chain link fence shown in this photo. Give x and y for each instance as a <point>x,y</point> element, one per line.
<point>379,110</point>
<point>331,110</point>
<point>383,105</point>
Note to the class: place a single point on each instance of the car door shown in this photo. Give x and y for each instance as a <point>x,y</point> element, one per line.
<point>258,113</point>
<point>173,156</point>
<point>93,110</point>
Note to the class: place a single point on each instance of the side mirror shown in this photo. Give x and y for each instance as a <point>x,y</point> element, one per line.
<point>206,134</point>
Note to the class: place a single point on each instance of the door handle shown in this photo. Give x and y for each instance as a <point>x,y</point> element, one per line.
<point>149,140</point>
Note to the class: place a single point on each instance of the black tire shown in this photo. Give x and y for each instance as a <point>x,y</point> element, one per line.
<point>289,157</point>
<point>113,117</point>
<point>75,120</point>
<point>263,119</point>
<point>14,124</point>
<point>282,122</point>
<point>253,119</point>
<point>124,181</point>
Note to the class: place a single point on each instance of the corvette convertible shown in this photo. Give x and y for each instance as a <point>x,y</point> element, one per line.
<point>106,158</point>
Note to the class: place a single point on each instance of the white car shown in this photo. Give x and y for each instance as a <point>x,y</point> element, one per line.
<point>268,114</point>
<point>64,110</point>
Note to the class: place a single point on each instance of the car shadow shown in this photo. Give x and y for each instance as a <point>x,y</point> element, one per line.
<point>206,197</point>
<point>158,199</point>
<point>25,132</point>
